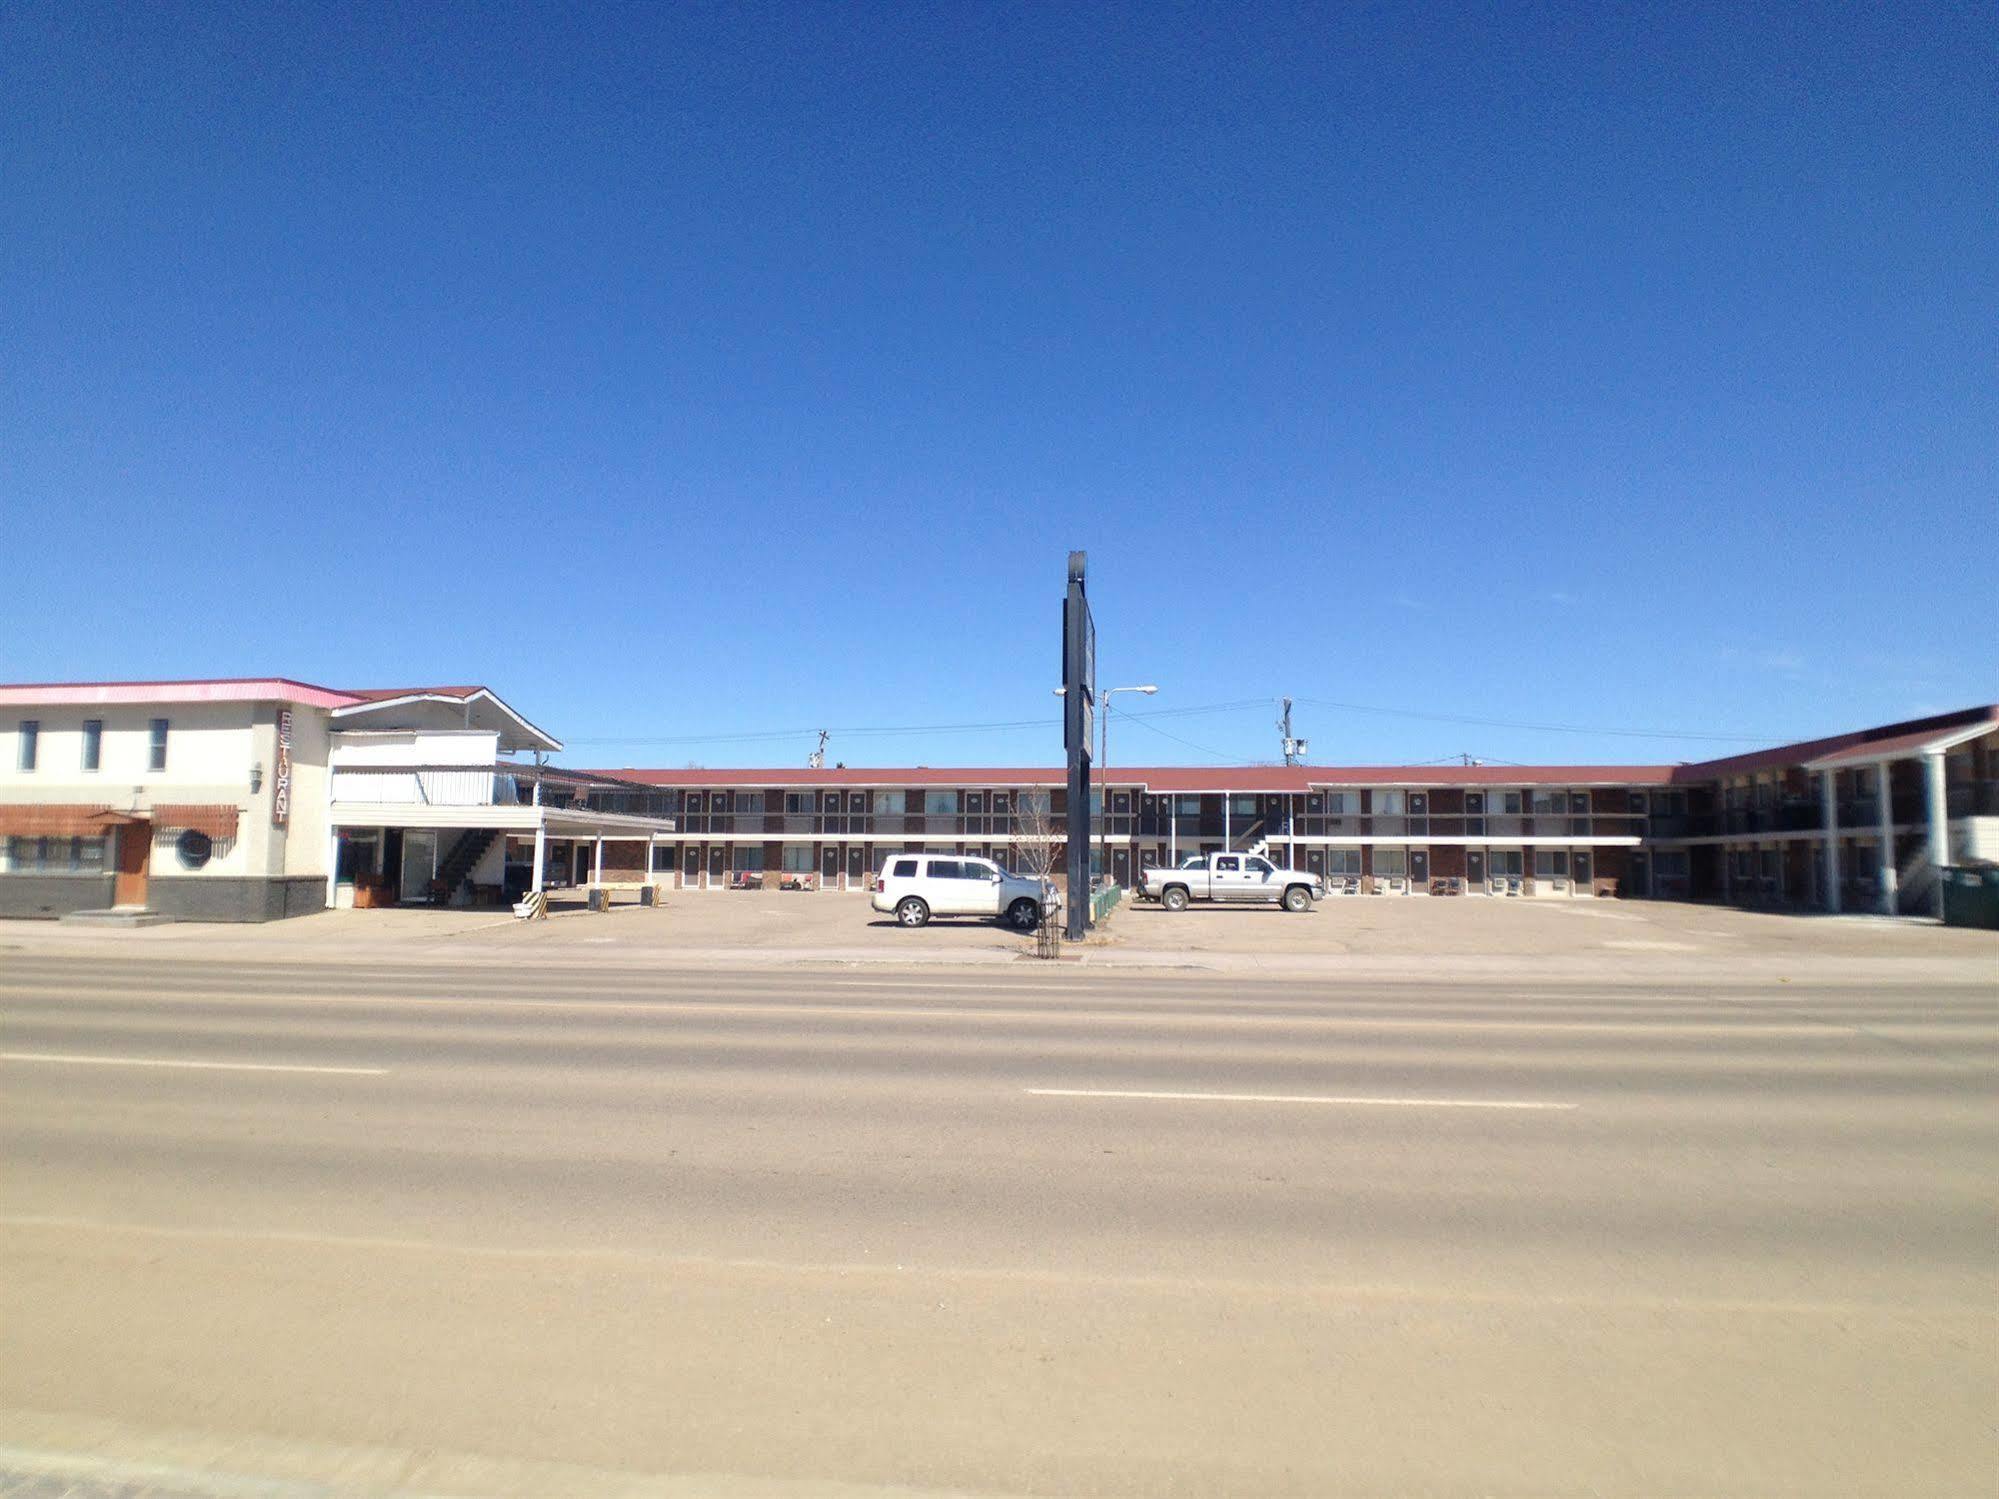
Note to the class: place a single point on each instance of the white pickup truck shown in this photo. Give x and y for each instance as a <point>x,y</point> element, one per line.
<point>1234,879</point>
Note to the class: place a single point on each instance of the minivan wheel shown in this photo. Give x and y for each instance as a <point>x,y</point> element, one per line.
<point>1297,898</point>
<point>912,912</point>
<point>1174,899</point>
<point>1025,914</point>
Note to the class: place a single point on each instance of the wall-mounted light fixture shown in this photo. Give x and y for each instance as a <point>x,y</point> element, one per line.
<point>256,777</point>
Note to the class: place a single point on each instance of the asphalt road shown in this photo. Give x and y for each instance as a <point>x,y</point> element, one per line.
<point>1018,1231</point>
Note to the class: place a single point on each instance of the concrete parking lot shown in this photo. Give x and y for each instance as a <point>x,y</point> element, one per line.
<point>1359,936</point>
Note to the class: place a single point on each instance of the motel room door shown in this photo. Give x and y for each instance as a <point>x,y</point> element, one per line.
<point>135,861</point>
<point>857,864</point>
<point>1419,869</point>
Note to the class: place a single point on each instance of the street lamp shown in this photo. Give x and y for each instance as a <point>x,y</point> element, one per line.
<point>1103,782</point>
<point>1103,760</point>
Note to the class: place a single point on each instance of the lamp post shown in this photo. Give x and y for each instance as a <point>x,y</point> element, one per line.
<point>1103,780</point>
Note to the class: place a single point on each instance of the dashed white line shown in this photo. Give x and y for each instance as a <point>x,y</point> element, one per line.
<point>76,1059</point>
<point>1387,1103</point>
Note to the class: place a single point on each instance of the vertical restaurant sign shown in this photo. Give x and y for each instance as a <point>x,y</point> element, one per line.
<point>281,783</point>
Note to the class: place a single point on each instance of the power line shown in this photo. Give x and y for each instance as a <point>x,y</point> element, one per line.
<point>1543,728</point>
<point>1212,754</point>
<point>1052,725</point>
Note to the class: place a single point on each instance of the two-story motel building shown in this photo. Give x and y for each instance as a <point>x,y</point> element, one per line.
<point>1857,822</point>
<point>257,798</point>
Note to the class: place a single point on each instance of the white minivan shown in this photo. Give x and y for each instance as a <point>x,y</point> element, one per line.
<point>917,887</point>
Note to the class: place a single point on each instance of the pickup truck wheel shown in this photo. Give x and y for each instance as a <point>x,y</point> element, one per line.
<point>1024,914</point>
<point>1174,898</point>
<point>1297,898</point>
<point>912,912</point>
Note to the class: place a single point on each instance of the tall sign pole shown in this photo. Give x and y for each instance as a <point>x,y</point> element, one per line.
<point>1079,701</point>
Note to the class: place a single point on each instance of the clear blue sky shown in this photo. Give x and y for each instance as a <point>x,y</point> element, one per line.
<point>684,371</point>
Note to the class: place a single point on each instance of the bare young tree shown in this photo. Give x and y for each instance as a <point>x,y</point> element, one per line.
<point>1034,835</point>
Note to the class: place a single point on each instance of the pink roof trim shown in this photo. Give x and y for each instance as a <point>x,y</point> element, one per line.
<point>211,690</point>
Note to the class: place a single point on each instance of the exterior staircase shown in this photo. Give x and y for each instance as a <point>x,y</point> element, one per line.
<point>457,865</point>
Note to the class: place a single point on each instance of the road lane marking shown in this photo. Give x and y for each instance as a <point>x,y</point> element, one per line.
<point>1389,1103</point>
<point>1976,1311</point>
<point>75,1059</point>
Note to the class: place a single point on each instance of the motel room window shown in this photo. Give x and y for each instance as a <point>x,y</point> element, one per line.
<point>940,803</point>
<point>31,743</point>
<point>1390,863</point>
<point>1550,864</point>
<point>1503,863</point>
<point>798,858</point>
<point>1509,803</point>
<point>93,743</point>
<point>748,801</point>
<point>1336,804</point>
<point>1343,861</point>
<point>1242,806</point>
<point>156,745</point>
<point>747,858</point>
<point>798,801</point>
<point>888,803</point>
<point>1388,803</point>
<point>1187,806</point>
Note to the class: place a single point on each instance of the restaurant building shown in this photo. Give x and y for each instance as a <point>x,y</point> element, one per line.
<point>255,798</point>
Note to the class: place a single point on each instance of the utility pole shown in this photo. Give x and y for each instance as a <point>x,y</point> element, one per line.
<point>1294,749</point>
<point>817,759</point>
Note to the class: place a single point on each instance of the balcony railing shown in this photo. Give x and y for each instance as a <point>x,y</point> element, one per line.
<point>423,785</point>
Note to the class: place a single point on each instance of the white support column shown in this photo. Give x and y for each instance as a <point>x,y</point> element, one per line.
<point>1291,830</point>
<point>540,852</point>
<point>1228,834</point>
<point>1830,807</point>
<point>1939,816</point>
<point>332,862</point>
<point>1884,817</point>
<point>1173,831</point>
<point>1727,873</point>
<point>597,865</point>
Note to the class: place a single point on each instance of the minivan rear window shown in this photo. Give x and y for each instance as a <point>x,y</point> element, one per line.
<point>904,869</point>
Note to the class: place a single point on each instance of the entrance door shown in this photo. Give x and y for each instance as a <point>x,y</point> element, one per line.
<point>691,868</point>
<point>1580,874</point>
<point>857,865</point>
<point>135,862</point>
<point>419,864</point>
<point>1121,867</point>
<point>829,865</point>
<point>718,864</point>
<point>1474,867</point>
<point>1419,869</point>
